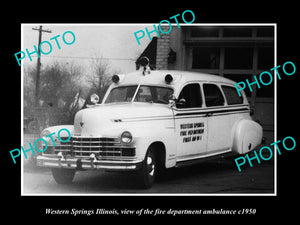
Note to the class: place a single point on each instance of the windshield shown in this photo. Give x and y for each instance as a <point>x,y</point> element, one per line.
<point>145,93</point>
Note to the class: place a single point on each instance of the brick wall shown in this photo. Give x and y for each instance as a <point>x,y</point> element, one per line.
<point>163,48</point>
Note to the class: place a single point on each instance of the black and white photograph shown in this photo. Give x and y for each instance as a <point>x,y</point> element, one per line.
<point>153,115</point>
<point>155,112</point>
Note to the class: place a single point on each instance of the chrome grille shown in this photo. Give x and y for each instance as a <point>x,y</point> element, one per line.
<point>64,147</point>
<point>85,146</point>
<point>104,148</point>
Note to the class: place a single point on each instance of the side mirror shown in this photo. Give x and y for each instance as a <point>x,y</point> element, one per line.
<point>172,100</point>
<point>181,101</point>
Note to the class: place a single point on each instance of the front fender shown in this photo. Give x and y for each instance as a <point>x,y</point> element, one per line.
<point>56,129</point>
<point>143,137</point>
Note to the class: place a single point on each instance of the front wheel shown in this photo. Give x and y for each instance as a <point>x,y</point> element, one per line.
<point>148,170</point>
<point>63,176</point>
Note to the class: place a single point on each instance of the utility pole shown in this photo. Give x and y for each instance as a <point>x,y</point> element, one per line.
<point>37,82</point>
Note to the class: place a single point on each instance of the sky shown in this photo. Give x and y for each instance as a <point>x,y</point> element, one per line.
<point>115,42</point>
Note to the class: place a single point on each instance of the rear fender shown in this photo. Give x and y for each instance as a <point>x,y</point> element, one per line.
<point>246,136</point>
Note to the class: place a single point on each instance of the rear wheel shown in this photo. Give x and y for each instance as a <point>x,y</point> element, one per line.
<point>63,176</point>
<point>148,170</point>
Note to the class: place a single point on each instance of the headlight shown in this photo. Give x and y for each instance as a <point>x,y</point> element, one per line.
<point>44,134</point>
<point>126,137</point>
<point>41,145</point>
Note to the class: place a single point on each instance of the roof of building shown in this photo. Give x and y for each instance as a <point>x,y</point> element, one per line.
<point>150,53</point>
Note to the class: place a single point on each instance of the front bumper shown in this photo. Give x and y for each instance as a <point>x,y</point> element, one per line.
<point>56,161</point>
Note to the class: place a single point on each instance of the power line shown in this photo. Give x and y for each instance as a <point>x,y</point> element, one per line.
<point>41,30</point>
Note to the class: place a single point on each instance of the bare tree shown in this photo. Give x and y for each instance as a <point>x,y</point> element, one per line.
<point>29,76</point>
<point>59,85</point>
<point>100,77</point>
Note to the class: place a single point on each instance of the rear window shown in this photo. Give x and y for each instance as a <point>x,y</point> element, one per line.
<point>231,95</point>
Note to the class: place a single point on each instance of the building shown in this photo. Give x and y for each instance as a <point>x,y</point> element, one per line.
<point>235,52</point>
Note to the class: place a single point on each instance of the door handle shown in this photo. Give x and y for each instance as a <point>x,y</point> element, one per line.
<point>209,114</point>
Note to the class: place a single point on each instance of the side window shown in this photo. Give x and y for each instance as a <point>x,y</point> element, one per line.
<point>213,95</point>
<point>192,96</point>
<point>231,95</point>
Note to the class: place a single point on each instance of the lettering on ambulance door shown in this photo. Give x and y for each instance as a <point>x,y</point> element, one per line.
<point>219,120</point>
<point>190,123</point>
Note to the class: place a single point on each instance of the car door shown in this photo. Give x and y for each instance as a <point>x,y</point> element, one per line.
<point>218,119</point>
<point>190,123</point>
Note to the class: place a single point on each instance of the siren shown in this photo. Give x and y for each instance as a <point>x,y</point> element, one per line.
<point>115,78</point>
<point>168,78</point>
<point>144,61</point>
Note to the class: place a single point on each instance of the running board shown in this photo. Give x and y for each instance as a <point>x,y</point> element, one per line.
<point>204,158</point>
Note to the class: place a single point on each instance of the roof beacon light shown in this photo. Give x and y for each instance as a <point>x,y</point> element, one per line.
<point>115,78</point>
<point>168,78</point>
<point>144,61</point>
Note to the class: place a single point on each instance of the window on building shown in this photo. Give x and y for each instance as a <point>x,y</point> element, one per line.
<point>231,95</point>
<point>204,31</point>
<point>238,58</point>
<point>237,31</point>
<point>265,31</point>
<point>266,91</point>
<point>265,58</point>
<point>206,58</point>
<point>240,78</point>
<point>192,96</point>
<point>213,95</point>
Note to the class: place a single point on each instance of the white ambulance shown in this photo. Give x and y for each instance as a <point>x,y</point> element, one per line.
<point>152,120</point>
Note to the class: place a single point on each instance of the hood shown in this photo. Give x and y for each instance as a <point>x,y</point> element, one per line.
<point>94,121</point>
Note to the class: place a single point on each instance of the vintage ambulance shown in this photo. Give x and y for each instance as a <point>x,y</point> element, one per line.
<point>152,120</point>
